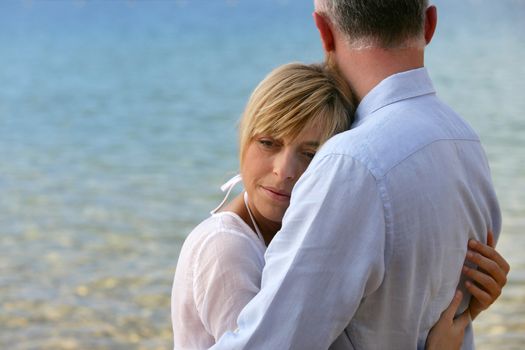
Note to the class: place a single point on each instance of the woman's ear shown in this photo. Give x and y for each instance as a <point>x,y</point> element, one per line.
<point>327,35</point>
<point>430,23</point>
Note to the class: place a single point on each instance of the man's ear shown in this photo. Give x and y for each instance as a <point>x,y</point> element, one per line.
<point>430,23</point>
<point>327,36</point>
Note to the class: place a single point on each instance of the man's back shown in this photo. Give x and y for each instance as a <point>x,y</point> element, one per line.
<point>436,193</point>
<point>372,245</point>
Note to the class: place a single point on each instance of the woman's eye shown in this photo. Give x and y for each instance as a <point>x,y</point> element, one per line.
<point>266,143</point>
<point>309,155</point>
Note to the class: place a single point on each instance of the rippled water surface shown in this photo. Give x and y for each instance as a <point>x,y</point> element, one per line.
<point>117,125</point>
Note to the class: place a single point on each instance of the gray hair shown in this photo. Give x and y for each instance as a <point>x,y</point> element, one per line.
<point>377,23</point>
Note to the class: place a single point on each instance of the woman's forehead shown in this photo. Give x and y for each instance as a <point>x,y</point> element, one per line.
<point>309,134</point>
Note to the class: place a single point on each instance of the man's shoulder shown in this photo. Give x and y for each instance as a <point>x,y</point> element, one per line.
<point>395,132</point>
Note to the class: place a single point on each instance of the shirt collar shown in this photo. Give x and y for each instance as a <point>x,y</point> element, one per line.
<point>397,87</point>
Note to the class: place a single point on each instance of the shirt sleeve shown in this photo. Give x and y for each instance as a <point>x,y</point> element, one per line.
<point>329,255</point>
<point>227,275</point>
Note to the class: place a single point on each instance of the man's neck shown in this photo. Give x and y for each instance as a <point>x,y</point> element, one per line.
<point>365,68</point>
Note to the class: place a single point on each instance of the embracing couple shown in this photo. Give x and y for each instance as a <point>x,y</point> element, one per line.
<point>385,241</point>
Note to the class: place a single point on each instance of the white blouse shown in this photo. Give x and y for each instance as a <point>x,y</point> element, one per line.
<point>217,274</point>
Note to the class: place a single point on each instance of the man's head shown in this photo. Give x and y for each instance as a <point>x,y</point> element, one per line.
<point>387,24</point>
<point>370,40</point>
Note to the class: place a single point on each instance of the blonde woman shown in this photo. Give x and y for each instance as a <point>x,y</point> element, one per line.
<point>292,112</point>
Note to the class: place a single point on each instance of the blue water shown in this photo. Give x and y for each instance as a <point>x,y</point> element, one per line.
<point>118,124</point>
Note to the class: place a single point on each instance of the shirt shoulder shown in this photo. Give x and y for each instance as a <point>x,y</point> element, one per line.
<point>218,240</point>
<point>394,133</point>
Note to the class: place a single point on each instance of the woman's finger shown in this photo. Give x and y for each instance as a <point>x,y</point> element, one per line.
<point>490,240</point>
<point>490,253</point>
<point>483,298</point>
<point>486,282</point>
<point>488,266</point>
<point>451,310</point>
<point>461,322</point>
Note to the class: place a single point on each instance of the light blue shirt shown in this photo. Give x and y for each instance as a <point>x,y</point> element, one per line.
<point>372,245</point>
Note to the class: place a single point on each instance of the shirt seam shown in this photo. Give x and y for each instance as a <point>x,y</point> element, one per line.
<point>414,152</point>
<point>385,203</point>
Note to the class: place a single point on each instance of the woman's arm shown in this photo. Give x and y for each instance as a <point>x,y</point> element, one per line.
<point>485,287</point>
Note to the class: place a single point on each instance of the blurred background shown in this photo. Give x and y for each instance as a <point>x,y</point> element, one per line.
<point>118,125</point>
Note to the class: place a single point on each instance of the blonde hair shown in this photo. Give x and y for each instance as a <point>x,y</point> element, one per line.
<point>295,96</point>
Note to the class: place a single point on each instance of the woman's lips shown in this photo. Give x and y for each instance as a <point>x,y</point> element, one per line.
<point>277,194</point>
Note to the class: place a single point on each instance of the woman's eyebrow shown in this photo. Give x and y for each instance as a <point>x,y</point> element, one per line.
<point>311,143</point>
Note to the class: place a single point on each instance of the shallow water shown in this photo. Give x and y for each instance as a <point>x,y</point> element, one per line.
<point>117,126</point>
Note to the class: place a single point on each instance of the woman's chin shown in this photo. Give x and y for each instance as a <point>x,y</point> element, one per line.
<point>275,216</point>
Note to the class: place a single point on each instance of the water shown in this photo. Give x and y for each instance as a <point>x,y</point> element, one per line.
<point>117,126</point>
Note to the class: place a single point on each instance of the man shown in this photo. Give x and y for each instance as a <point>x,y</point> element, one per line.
<point>377,229</point>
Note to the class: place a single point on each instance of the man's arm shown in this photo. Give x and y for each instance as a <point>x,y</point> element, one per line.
<point>328,255</point>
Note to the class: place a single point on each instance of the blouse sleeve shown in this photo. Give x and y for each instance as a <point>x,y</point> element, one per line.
<point>227,275</point>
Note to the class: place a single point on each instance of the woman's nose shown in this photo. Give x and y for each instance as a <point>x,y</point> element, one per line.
<point>286,165</point>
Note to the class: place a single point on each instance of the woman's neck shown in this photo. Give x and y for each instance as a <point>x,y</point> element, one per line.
<point>267,227</point>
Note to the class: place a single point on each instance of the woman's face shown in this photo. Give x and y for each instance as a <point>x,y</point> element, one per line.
<point>271,167</point>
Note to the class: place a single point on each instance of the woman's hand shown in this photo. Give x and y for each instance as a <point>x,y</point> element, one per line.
<point>485,285</point>
<point>448,332</point>
<point>487,281</point>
